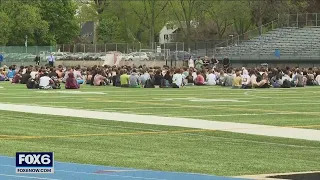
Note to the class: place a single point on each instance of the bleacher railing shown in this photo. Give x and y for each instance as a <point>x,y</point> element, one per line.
<point>283,21</point>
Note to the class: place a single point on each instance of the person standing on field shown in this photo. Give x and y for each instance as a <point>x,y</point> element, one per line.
<point>37,59</point>
<point>51,60</point>
<point>1,58</point>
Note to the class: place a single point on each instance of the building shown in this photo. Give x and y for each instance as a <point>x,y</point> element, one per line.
<point>168,33</point>
<point>171,30</point>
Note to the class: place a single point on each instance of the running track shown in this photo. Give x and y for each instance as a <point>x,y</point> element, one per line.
<point>73,171</point>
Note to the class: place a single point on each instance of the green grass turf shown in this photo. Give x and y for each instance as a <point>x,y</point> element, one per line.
<point>210,152</point>
<point>279,107</point>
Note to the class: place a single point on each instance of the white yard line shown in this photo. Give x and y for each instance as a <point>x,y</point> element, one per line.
<point>230,115</point>
<point>285,132</point>
<point>26,177</point>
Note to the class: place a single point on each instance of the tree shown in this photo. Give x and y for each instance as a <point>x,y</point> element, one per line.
<point>241,17</point>
<point>266,11</point>
<point>60,15</point>
<point>87,12</point>
<point>4,28</point>
<point>26,20</point>
<point>108,29</point>
<point>148,12</point>
<point>184,11</point>
<point>220,12</point>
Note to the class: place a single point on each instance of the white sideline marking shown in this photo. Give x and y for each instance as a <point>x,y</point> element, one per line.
<point>199,100</point>
<point>27,177</point>
<point>285,132</point>
<point>69,92</point>
<point>230,115</point>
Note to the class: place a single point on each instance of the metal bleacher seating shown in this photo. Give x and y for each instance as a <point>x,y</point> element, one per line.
<point>293,43</point>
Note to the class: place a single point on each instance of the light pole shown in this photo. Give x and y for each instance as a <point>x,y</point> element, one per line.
<point>26,43</point>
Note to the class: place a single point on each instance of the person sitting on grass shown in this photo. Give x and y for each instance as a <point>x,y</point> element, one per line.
<point>25,77</point>
<point>211,78</point>
<point>310,78</point>
<point>167,79</point>
<point>46,82</point>
<point>52,72</point>
<point>177,79</point>
<point>32,84</point>
<point>221,78</point>
<point>59,72</point>
<point>71,82</point>
<point>17,78</point>
<point>88,76</point>
<point>228,78</point>
<point>11,73</point>
<point>150,82</point>
<point>144,77</point>
<point>237,81</point>
<point>158,78</point>
<point>298,79</point>
<point>124,78</point>
<point>199,81</point>
<point>98,79</point>
<point>318,78</point>
<point>189,79</point>
<point>78,75</point>
<point>264,82</point>
<point>69,70</point>
<point>245,79</point>
<point>276,78</point>
<point>3,76</point>
<point>34,73</point>
<point>134,79</point>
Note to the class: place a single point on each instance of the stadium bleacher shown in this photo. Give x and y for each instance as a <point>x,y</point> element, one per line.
<point>293,43</point>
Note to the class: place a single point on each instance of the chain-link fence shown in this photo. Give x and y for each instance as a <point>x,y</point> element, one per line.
<point>21,55</point>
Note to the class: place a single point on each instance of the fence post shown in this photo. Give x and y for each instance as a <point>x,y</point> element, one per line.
<point>206,48</point>
<point>182,46</point>
<point>306,19</point>
<point>165,53</point>
<point>316,19</point>
<point>105,48</point>
<point>84,48</point>
<point>127,49</point>
<point>116,47</point>
<point>297,20</point>
<point>175,59</point>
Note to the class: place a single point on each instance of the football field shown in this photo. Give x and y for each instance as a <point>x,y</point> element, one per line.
<point>138,128</point>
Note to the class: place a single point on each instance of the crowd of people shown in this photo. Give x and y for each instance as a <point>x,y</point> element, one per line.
<point>50,77</point>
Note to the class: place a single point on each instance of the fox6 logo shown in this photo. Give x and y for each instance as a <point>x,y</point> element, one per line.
<point>34,159</point>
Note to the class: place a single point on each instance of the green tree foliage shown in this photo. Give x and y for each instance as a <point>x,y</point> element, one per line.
<point>241,17</point>
<point>4,28</point>
<point>221,14</point>
<point>44,22</point>
<point>184,11</point>
<point>24,20</point>
<point>109,29</point>
<point>60,15</point>
<point>58,22</point>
